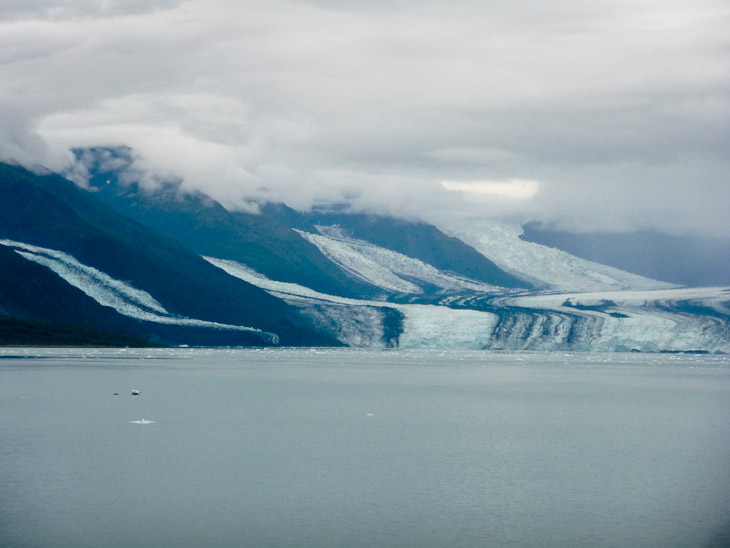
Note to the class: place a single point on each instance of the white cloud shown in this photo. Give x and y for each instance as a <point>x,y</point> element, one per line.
<point>511,188</point>
<point>619,109</point>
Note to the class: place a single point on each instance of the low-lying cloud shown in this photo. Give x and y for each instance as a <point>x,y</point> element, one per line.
<point>618,118</point>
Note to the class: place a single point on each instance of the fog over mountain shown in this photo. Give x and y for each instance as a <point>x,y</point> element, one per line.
<point>586,116</point>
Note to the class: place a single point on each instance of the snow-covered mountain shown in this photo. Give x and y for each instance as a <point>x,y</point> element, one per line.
<point>546,267</point>
<point>324,278</point>
<point>686,259</point>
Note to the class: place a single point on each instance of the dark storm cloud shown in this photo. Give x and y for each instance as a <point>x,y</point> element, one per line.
<point>617,113</point>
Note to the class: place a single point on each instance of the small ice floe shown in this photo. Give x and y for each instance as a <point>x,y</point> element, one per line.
<point>368,414</point>
<point>142,421</point>
<point>136,392</point>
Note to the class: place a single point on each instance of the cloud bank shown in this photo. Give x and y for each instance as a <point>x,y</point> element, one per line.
<point>611,115</point>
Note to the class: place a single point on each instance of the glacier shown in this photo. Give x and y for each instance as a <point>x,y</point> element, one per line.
<point>545,267</point>
<point>677,319</point>
<point>384,268</point>
<point>610,311</point>
<point>360,323</point>
<point>618,320</point>
<point>107,291</point>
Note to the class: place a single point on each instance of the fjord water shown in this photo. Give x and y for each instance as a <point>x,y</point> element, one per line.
<point>362,448</point>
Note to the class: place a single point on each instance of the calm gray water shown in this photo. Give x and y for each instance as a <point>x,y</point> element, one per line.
<point>355,448</point>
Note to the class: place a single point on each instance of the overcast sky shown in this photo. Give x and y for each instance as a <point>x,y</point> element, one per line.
<point>596,114</point>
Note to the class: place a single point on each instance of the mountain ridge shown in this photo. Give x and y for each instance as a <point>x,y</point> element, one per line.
<point>379,282</point>
<point>52,212</point>
<point>686,260</point>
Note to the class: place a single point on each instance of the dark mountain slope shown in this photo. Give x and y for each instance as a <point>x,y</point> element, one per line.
<point>686,260</point>
<point>264,242</point>
<point>38,307</point>
<point>421,241</point>
<point>31,291</point>
<point>16,332</point>
<point>52,212</point>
